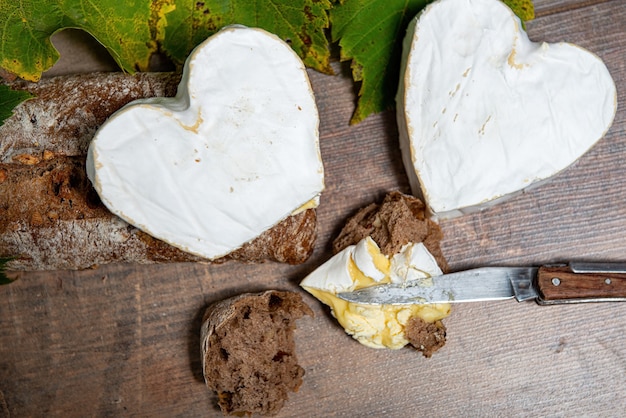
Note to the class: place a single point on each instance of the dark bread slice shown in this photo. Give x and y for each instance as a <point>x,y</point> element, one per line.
<point>248,351</point>
<point>51,217</point>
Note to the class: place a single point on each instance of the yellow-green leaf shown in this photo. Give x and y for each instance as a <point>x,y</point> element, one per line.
<point>184,24</point>
<point>121,26</point>
<point>524,9</point>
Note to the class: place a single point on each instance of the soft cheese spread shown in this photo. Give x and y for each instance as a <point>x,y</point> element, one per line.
<point>234,153</point>
<point>363,265</point>
<point>483,112</point>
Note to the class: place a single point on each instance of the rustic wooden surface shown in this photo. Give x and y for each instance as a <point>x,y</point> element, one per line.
<point>124,340</point>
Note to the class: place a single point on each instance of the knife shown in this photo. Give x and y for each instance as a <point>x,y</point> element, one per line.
<point>549,284</point>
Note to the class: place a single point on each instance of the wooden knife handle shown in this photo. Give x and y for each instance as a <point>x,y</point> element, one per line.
<point>562,285</point>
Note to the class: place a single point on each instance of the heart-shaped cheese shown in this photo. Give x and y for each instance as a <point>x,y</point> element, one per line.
<point>483,112</point>
<point>234,153</point>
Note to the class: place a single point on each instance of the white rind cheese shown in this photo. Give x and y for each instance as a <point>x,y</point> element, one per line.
<point>234,153</point>
<point>484,113</point>
<point>363,265</point>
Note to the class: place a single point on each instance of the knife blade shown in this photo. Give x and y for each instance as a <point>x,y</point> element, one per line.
<point>549,284</point>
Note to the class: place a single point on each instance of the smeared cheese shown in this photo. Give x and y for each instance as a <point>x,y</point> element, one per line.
<point>363,265</point>
<point>484,113</point>
<point>233,154</point>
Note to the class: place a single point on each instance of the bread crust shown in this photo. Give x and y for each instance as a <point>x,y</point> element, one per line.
<point>51,218</point>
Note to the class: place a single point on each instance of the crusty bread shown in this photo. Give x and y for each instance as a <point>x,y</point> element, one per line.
<point>248,351</point>
<point>51,217</point>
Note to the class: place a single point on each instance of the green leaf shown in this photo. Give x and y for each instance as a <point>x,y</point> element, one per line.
<point>181,25</point>
<point>26,26</point>
<point>370,34</point>
<point>9,99</point>
<point>3,277</point>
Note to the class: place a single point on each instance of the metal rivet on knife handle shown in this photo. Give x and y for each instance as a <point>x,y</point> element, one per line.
<point>562,284</point>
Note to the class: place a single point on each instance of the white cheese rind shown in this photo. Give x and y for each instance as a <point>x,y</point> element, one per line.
<point>484,113</point>
<point>364,260</point>
<point>234,153</point>
<point>334,275</point>
<point>413,262</point>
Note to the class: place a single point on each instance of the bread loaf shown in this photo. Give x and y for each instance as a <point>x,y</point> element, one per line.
<point>50,216</point>
<point>248,351</point>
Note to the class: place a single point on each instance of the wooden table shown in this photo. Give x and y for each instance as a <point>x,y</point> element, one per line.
<point>124,340</point>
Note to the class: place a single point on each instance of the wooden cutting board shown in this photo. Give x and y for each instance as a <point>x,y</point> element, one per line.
<point>124,340</point>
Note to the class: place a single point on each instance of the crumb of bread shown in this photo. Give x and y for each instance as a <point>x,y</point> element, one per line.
<point>425,336</point>
<point>249,356</point>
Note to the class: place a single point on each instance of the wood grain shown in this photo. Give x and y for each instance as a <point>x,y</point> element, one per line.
<point>561,284</point>
<point>123,340</point>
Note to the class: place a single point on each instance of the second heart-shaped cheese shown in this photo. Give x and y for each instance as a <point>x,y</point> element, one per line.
<point>483,112</point>
<point>234,153</point>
